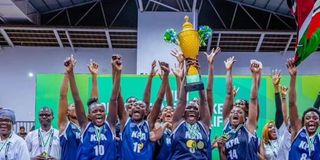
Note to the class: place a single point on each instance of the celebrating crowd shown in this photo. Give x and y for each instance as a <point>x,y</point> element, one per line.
<point>133,130</point>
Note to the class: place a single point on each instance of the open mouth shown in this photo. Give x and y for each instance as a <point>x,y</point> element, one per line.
<point>99,119</point>
<point>235,118</point>
<point>312,127</point>
<point>136,113</point>
<point>168,115</point>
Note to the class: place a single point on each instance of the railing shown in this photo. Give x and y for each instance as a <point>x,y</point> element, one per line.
<point>27,125</point>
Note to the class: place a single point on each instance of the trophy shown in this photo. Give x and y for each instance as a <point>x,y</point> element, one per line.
<point>190,41</point>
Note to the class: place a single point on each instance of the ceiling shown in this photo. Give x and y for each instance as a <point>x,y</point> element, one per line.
<point>240,25</point>
<point>230,41</point>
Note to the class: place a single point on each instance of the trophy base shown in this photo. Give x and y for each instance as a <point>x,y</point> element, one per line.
<point>193,83</point>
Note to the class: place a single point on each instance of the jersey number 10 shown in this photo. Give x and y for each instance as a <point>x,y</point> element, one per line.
<point>99,150</point>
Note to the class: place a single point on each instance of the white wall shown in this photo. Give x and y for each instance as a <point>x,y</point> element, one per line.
<point>17,90</point>
<point>151,46</point>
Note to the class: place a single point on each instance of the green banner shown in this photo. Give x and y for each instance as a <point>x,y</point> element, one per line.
<point>48,91</point>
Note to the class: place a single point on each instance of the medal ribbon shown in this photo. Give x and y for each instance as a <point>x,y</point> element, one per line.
<point>43,144</point>
<point>7,144</point>
<point>98,131</point>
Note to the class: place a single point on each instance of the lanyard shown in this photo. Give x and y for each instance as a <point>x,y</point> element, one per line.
<point>274,148</point>
<point>7,144</point>
<point>98,131</point>
<point>310,144</point>
<point>236,130</point>
<point>43,144</point>
<point>193,130</point>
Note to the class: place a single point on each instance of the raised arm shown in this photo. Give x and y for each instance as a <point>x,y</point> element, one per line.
<point>293,110</point>
<point>81,115</point>
<point>317,102</point>
<point>169,96</point>
<point>179,111</point>
<point>210,59</point>
<point>204,110</point>
<point>147,91</point>
<point>157,105</point>
<point>179,56</point>
<point>284,91</point>
<point>122,113</point>
<point>276,77</point>
<point>63,104</point>
<point>178,73</point>
<point>112,115</point>
<point>94,68</point>
<point>255,68</point>
<point>228,103</point>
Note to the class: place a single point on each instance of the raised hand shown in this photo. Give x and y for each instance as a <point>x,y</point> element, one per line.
<point>194,62</point>
<point>178,54</point>
<point>276,76</point>
<point>164,68</point>
<point>284,90</point>
<point>212,55</point>
<point>292,69</point>
<point>177,71</point>
<point>255,67</point>
<point>153,71</point>
<point>116,62</point>
<point>229,63</point>
<point>69,63</point>
<point>93,67</point>
<point>235,91</point>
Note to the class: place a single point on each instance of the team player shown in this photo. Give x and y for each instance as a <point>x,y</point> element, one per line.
<point>12,146</point>
<point>136,142</point>
<point>210,59</point>
<point>191,124</point>
<point>241,142</point>
<point>68,124</point>
<point>97,134</point>
<point>228,103</point>
<point>305,140</point>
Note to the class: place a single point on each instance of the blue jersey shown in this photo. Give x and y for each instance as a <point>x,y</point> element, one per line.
<point>209,149</point>
<point>135,142</point>
<point>165,146</point>
<point>118,142</point>
<point>241,145</point>
<point>302,150</point>
<point>69,141</point>
<point>189,142</point>
<point>97,143</point>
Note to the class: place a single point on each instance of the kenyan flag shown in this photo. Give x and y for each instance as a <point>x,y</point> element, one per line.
<point>307,15</point>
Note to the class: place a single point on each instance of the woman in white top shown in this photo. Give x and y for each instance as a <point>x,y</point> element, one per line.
<point>276,136</point>
<point>12,146</point>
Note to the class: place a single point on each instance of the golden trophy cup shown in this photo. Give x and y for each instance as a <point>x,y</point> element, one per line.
<point>189,41</point>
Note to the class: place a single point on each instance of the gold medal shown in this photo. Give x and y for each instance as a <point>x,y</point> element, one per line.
<point>200,145</point>
<point>189,143</point>
<point>140,145</point>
